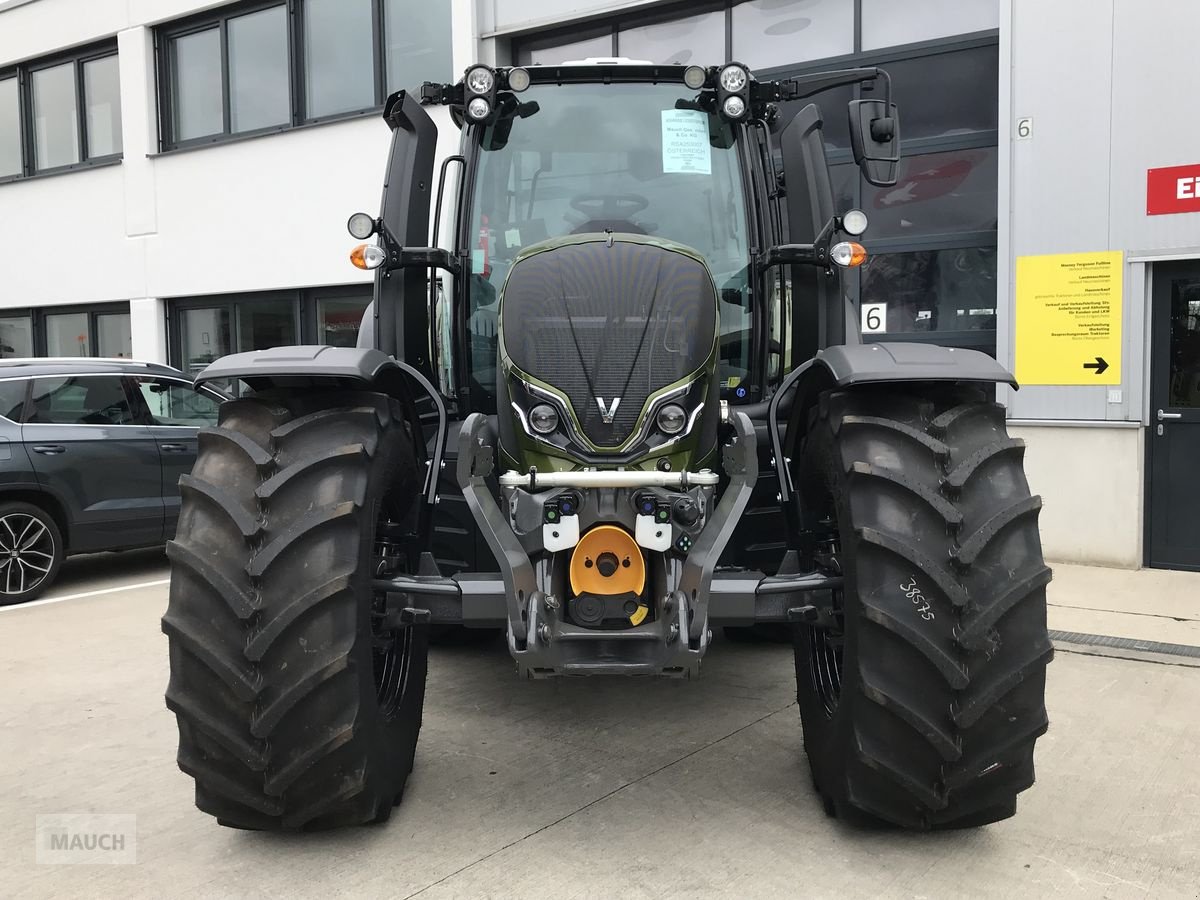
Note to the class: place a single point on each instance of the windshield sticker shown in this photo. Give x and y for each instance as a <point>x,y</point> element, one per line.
<point>685,146</point>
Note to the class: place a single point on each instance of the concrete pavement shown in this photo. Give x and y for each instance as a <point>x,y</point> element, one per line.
<point>1147,604</point>
<point>600,788</point>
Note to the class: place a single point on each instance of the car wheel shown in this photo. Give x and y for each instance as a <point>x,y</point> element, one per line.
<point>31,551</point>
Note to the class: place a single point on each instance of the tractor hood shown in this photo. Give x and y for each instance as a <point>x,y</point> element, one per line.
<point>608,322</point>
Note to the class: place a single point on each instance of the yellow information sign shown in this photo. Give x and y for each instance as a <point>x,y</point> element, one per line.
<point>1068,318</point>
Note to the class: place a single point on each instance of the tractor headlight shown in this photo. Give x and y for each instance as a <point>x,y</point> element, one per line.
<point>543,418</point>
<point>735,106</point>
<point>481,80</point>
<point>671,419</point>
<point>733,79</point>
<point>478,109</point>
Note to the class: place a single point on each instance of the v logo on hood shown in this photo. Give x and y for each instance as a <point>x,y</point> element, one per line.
<point>607,413</point>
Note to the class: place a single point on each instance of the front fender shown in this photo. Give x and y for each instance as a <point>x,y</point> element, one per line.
<point>278,364</point>
<point>849,365</point>
<point>852,364</point>
<point>306,367</point>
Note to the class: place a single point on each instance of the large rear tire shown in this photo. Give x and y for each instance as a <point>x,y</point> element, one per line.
<point>298,702</point>
<point>923,695</point>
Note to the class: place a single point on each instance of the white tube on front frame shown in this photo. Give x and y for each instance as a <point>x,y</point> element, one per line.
<point>624,478</point>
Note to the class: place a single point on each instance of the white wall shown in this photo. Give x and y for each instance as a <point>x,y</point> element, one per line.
<point>505,16</point>
<point>257,214</point>
<point>1090,480</point>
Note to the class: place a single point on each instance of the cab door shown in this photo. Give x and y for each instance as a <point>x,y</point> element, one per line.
<point>88,449</point>
<point>175,411</point>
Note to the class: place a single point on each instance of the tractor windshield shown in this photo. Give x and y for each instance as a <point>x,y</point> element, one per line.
<point>631,157</point>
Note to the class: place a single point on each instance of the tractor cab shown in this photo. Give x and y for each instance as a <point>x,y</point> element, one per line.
<point>697,156</point>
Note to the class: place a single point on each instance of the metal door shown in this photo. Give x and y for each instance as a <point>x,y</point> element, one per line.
<point>1174,495</point>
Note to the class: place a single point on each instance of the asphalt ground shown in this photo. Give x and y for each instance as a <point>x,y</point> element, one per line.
<point>594,788</point>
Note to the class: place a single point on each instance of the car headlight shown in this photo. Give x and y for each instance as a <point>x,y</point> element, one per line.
<point>543,418</point>
<point>671,418</point>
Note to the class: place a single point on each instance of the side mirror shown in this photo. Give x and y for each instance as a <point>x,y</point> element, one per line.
<point>875,139</point>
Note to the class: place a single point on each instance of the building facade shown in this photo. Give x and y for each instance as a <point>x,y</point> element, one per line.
<point>175,177</point>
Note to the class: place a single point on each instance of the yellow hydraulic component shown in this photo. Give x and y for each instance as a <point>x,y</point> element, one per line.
<point>607,560</point>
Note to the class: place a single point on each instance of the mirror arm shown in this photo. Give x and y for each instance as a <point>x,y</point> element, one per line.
<point>806,85</point>
<point>401,257</point>
<point>814,254</point>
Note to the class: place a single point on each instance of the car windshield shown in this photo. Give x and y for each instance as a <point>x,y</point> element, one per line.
<point>632,157</point>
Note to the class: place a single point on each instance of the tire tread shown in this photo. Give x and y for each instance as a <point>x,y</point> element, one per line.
<point>938,730</point>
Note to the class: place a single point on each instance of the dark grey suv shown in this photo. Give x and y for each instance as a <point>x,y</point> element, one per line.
<point>91,451</point>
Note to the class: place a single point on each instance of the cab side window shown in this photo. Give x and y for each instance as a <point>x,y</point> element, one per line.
<point>174,403</point>
<point>86,400</point>
<point>12,399</point>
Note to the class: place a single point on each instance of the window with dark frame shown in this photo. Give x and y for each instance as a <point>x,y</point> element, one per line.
<point>202,329</point>
<point>262,67</point>
<point>93,329</point>
<point>933,236</point>
<point>60,112</point>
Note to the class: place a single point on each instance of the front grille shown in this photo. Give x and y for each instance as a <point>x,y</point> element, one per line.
<point>600,322</point>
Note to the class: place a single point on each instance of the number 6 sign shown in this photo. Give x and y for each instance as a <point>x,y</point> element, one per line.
<point>874,318</point>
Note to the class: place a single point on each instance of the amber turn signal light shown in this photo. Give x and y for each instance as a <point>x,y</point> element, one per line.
<point>366,256</point>
<point>848,254</point>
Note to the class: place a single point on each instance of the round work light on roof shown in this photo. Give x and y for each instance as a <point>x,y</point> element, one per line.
<point>518,79</point>
<point>694,77</point>
<point>480,80</point>
<point>478,109</point>
<point>734,78</point>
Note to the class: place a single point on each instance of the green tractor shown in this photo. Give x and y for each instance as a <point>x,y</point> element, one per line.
<point>614,398</point>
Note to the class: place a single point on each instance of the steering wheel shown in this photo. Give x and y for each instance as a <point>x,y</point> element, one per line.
<point>609,206</point>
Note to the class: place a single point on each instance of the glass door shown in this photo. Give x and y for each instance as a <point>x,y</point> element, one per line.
<point>204,336</point>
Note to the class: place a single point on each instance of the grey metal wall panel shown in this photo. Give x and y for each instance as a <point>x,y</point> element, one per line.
<point>1102,79</point>
<point>1061,71</point>
<point>1154,121</point>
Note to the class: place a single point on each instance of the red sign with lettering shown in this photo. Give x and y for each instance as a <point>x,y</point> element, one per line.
<point>1175,189</point>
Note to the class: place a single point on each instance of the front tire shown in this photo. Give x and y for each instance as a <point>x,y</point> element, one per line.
<point>923,693</point>
<point>298,703</point>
